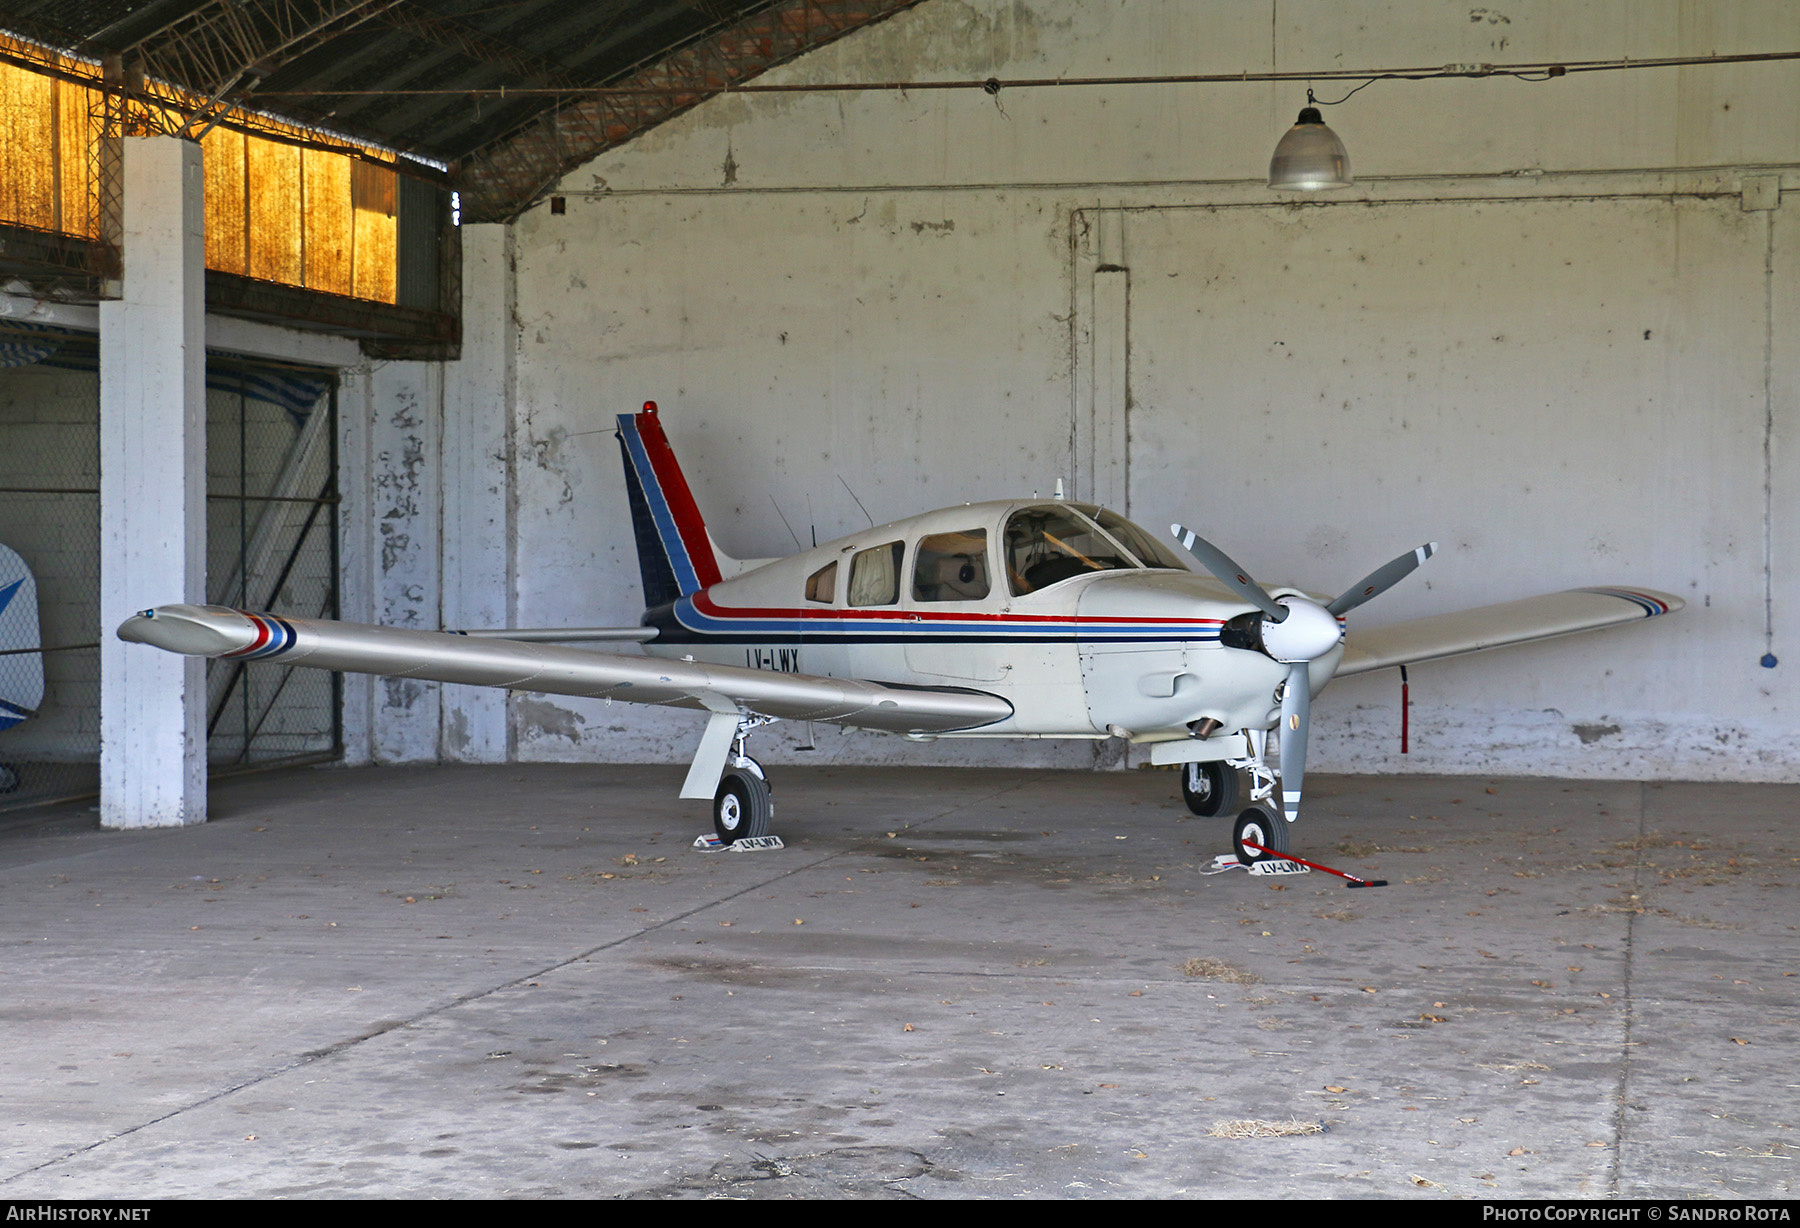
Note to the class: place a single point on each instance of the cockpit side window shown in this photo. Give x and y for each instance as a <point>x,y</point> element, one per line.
<point>1046,545</point>
<point>875,575</point>
<point>821,586</point>
<point>951,567</point>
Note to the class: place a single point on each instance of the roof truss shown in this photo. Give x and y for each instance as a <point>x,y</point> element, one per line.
<point>503,179</point>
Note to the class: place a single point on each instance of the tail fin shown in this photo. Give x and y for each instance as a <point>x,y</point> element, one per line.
<point>675,555</point>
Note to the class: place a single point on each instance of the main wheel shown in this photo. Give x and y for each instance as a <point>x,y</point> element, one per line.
<point>742,806</point>
<point>1260,827</point>
<point>1209,789</point>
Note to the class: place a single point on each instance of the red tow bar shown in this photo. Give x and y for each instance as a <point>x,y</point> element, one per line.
<point>1350,879</point>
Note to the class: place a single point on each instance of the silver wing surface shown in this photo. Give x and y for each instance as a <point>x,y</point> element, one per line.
<point>447,656</point>
<point>1495,626</point>
<point>566,635</point>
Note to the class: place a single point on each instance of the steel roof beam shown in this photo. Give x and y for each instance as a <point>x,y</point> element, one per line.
<point>503,179</point>
<point>222,48</point>
<point>594,54</point>
<point>452,52</point>
<point>520,65</point>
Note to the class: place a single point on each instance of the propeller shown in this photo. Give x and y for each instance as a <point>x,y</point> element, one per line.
<point>1221,565</point>
<point>1296,631</point>
<point>1381,579</point>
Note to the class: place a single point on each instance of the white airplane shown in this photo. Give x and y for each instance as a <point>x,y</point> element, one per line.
<point>1014,619</point>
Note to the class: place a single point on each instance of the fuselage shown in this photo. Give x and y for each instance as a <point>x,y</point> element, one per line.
<point>1081,620</point>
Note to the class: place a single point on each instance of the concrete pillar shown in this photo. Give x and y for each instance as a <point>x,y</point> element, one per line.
<point>153,490</point>
<point>1102,383</point>
<point>406,411</point>
<point>356,550</point>
<point>477,486</point>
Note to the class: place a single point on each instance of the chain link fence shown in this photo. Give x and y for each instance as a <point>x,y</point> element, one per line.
<point>50,532</point>
<point>271,545</point>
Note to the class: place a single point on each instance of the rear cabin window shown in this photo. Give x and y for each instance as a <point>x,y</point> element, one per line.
<point>1047,545</point>
<point>951,567</point>
<point>821,586</point>
<point>875,575</point>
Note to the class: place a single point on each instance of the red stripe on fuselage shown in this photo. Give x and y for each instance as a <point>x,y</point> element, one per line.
<point>704,603</point>
<point>688,521</point>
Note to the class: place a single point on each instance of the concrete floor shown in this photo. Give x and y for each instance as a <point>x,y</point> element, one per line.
<point>520,981</point>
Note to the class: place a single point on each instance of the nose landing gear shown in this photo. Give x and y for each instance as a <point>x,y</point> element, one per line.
<point>1258,827</point>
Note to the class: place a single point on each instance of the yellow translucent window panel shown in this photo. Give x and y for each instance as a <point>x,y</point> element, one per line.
<point>330,234</point>
<point>28,133</point>
<point>77,133</point>
<point>47,140</point>
<point>377,232</point>
<point>377,255</point>
<point>274,210</point>
<point>274,203</point>
<point>227,215</point>
<point>315,218</point>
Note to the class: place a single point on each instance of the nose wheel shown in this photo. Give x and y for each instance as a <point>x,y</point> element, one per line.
<point>1260,827</point>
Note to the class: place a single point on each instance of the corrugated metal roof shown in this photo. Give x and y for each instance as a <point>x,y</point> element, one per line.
<point>417,44</point>
<point>366,70</point>
<point>431,77</point>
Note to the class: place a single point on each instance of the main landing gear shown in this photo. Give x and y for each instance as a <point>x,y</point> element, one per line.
<point>1209,789</point>
<point>744,805</point>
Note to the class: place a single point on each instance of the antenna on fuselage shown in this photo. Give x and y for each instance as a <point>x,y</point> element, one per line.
<point>787,526</point>
<point>811,519</point>
<point>860,507</point>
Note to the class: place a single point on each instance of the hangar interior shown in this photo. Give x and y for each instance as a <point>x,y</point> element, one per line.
<point>1550,326</point>
<point>328,307</point>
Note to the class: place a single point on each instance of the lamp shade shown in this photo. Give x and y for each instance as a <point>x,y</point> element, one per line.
<point>1309,157</point>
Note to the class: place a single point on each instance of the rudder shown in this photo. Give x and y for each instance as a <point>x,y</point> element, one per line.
<point>675,556</point>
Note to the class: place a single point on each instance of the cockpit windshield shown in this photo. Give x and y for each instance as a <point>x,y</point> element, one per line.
<point>1149,551</point>
<point>1048,544</point>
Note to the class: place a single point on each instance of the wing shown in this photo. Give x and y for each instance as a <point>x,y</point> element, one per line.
<point>1495,626</point>
<point>447,656</point>
<point>566,635</point>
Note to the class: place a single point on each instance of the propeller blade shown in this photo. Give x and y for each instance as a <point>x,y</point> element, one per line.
<point>1221,565</point>
<point>1382,579</point>
<point>1296,712</point>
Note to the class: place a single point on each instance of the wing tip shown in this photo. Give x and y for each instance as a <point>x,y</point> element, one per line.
<point>1651,602</point>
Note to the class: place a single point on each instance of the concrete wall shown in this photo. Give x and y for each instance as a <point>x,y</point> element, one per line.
<point>391,551</point>
<point>425,467</point>
<point>1553,328</point>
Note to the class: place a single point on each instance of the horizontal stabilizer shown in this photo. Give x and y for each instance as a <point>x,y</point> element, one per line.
<point>1495,626</point>
<point>445,656</point>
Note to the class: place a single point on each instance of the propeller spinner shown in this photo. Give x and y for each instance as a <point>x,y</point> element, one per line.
<point>1297,631</point>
